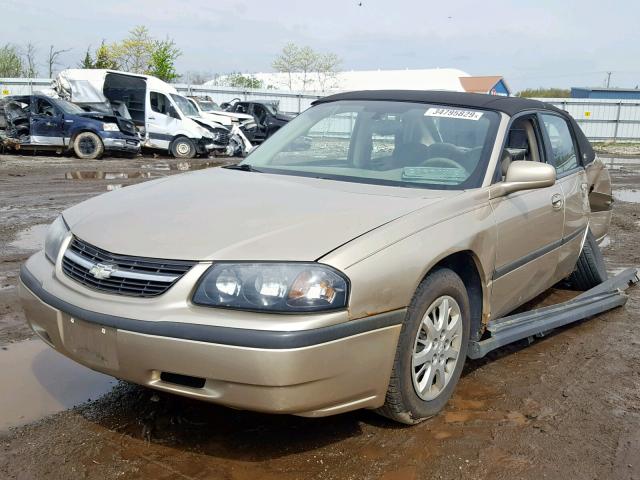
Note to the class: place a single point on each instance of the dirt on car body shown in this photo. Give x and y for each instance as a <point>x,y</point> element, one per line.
<point>565,406</point>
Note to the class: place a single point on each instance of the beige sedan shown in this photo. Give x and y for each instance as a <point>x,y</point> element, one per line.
<point>347,263</point>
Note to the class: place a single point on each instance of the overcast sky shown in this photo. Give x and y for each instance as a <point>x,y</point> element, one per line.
<point>531,43</point>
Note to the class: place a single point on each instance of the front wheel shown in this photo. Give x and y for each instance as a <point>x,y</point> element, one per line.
<point>88,146</point>
<point>431,349</point>
<point>183,147</point>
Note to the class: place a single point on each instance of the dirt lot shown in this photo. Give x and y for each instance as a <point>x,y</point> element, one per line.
<point>565,407</point>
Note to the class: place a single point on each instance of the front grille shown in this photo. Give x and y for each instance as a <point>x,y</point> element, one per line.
<point>131,276</point>
<point>223,136</point>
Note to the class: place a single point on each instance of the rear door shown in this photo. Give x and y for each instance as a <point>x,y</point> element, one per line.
<point>529,226</point>
<point>562,152</point>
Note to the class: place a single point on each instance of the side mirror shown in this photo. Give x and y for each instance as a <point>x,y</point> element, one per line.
<point>173,112</point>
<point>525,175</point>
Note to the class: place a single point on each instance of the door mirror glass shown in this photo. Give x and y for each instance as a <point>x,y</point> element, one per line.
<point>525,175</point>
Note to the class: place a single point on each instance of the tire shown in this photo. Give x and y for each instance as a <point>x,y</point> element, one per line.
<point>88,146</point>
<point>590,269</point>
<point>183,147</point>
<point>404,403</point>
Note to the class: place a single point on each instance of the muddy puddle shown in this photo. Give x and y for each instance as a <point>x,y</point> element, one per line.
<point>100,175</point>
<point>181,166</point>
<point>30,239</point>
<point>630,195</point>
<point>616,163</point>
<point>38,381</point>
<point>148,171</point>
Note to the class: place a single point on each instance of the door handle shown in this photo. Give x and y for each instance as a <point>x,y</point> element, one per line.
<point>556,201</point>
<point>151,118</point>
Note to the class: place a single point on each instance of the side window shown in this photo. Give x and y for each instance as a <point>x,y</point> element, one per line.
<point>160,104</point>
<point>563,149</point>
<point>44,107</point>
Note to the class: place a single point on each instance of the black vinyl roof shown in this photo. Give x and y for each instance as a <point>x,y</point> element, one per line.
<point>509,105</point>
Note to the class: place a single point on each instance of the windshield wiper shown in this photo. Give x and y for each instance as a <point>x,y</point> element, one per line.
<point>245,167</point>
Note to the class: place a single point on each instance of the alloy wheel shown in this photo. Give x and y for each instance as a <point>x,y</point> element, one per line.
<point>436,350</point>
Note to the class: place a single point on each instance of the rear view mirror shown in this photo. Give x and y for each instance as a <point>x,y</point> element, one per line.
<point>525,175</point>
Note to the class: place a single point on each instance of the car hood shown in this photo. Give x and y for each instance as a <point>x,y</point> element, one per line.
<point>207,123</point>
<point>221,214</point>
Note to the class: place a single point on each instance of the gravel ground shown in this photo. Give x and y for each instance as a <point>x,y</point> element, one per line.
<point>567,406</point>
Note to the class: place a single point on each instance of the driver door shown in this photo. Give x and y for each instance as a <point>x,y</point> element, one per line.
<point>162,121</point>
<point>46,123</point>
<point>529,227</point>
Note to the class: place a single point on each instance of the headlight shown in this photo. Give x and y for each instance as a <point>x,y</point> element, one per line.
<point>55,235</point>
<point>110,127</point>
<point>273,287</point>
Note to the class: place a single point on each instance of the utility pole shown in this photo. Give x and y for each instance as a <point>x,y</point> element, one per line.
<point>608,78</point>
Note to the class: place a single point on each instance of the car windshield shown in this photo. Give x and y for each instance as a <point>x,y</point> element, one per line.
<point>67,107</point>
<point>208,106</point>
<point>382,142</point>
<point>185,106</point>
<point>273,109</point>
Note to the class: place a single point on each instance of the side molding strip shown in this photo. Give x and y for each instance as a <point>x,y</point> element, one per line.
<point>509,267</point>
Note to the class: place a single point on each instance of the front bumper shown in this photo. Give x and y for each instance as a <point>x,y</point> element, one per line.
<point>128,145</point>
<point>313,372</point>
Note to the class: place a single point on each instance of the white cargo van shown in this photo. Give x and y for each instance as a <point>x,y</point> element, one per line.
<point>153,105</point>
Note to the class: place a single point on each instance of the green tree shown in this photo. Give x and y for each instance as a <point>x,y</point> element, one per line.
<point>133,53</point>
<point>105,58</point>
<point>162,60</point>
<point>87,61</point>
<point>243,81</point>
<point>10,61</point>
<point>545,93</point>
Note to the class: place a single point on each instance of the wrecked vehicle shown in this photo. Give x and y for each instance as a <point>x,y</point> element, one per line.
<point>265,112</point>
<point>381,238</point>
<point>239,143</point>
<point>244,126</point>
<point>153,106</point>
<point>39,122</point>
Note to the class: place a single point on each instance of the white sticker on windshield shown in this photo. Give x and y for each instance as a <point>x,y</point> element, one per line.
<point>453,113</point>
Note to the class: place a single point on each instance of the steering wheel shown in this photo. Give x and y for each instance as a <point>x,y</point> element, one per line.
<point>441,161</point>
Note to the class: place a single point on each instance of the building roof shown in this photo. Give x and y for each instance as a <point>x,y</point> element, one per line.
<point>479,84</point>
<point>419,79</point>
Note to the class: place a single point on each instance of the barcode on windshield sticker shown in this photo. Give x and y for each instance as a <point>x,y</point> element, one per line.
<point>453,113</point>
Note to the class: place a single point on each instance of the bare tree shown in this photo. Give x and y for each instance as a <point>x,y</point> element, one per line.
<point>287,62</point>
<point>307,60</point>
<point>30,67</point>
<point>52,60</point>
<point>327,66</point>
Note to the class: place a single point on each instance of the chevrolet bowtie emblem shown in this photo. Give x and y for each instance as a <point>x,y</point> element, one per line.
<point>102,271</point>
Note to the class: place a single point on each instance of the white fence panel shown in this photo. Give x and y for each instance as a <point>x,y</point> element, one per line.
<point>601,120</point>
